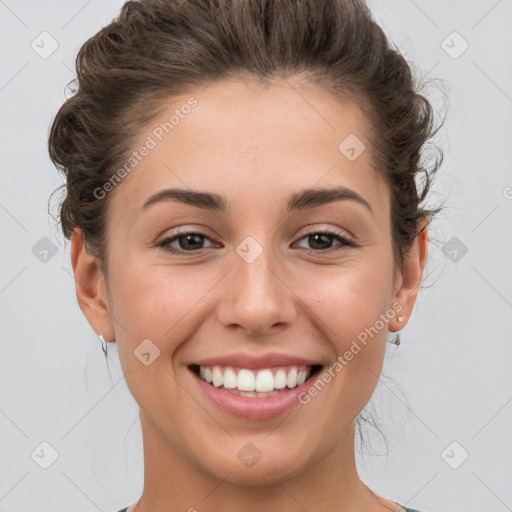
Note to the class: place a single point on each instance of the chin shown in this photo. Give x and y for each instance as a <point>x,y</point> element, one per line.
<point>256,461</point>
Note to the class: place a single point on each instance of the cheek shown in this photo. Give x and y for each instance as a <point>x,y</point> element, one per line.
<point>349,299</point>
<point>350,304</point>
<point>158,302</point>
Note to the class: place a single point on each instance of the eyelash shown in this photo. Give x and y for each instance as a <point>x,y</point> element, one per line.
<point>164,244</point>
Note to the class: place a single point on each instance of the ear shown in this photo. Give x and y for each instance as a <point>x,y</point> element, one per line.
<point>409,278</point>
<point>91,290</point>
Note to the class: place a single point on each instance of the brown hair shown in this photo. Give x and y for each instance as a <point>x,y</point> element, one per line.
<point>155,49</point>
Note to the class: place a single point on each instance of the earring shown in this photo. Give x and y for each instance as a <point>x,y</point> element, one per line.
<point>103,344</point>
<point>396,339</point>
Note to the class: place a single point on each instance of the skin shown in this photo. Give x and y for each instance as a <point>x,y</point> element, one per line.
<point>254,146</point>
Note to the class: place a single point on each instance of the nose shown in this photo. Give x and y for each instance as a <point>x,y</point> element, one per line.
<point>257,297</point>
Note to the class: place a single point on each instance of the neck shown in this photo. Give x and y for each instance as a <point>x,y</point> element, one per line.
<point>173,482</point>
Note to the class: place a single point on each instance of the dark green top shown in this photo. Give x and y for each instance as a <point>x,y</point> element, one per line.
<point>405,508</point>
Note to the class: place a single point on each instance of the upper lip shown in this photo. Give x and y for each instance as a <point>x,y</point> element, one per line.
<point>269,360</point>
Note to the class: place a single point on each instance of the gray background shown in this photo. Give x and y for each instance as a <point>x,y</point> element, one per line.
<point>448,393</point>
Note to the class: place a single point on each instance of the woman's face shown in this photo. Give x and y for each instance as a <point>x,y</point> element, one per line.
<point>252,290</point>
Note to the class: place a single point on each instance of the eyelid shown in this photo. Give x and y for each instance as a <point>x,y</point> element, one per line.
<point>329,231</point>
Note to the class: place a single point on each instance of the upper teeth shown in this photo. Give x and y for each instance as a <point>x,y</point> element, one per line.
<point>255,380</point>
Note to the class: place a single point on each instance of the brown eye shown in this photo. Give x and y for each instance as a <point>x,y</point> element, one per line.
<point>321,241</point>
<point>187,242</point>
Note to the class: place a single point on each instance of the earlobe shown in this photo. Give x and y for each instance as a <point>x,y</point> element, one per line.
<point>90,287</point>
<point>410,277</point>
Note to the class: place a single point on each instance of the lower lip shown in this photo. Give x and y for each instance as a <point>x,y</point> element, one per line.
<point>254,408</point>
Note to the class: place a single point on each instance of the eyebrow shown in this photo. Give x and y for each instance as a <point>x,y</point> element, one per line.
<point>298,201</point>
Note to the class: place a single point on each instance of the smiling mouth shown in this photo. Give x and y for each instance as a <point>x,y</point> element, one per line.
<point>253,383</point>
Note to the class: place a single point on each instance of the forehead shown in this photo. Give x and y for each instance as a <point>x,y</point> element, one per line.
<point>250,144</point>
